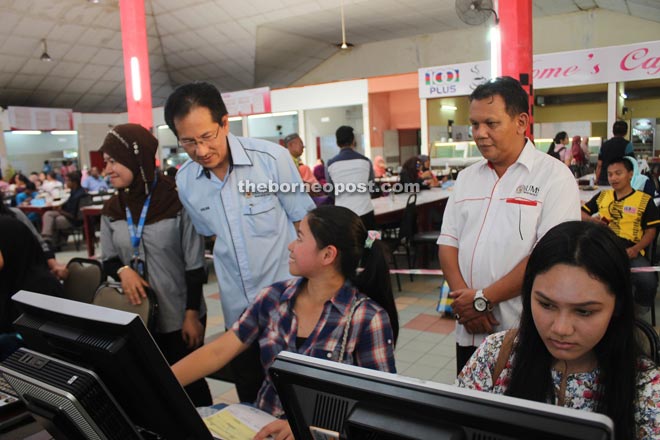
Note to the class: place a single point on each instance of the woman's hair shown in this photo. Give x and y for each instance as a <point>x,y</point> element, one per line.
<point>594,248</point>
<point>343,229</point>
<point>560,137</point>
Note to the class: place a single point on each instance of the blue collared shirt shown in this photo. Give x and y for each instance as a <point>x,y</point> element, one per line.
<point>252,229</point>
<point>94,184</point>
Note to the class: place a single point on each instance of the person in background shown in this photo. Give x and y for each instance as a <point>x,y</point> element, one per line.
<point>559,148</point>
<point>58,269</point>
<point>169,254</point>
<point>639,181</point>
<point>94,182</point>
<point>331,311</point>
<point>252,230</point>
<point>51,185</point>
<point>614,147</point>
<point>295,145</point>
<point>508,200</point>
<point>633,217</point>
<point>578,160</point>
<point>34,178</point>
<point>25,197</point>
<point>63,217</point>
<point>425,172</point>
<point>576,345</point>
<point>22,267</point>
<point>380,167</point>
<point>348,168</point>
<point>47,168</point>
<point>319,171</point>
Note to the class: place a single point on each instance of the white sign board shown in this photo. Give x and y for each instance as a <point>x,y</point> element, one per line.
<point>591,66</point>
<point>248,102</point>
<point>39,118</point>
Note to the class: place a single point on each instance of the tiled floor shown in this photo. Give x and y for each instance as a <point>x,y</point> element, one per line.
<point>426,346</point>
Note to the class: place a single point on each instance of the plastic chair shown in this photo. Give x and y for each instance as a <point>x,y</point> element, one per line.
<point>110,295</point>
<point>85,277</point>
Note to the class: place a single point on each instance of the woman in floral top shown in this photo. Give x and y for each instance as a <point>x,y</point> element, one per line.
<point>575,346</point>
<point>310,315</point>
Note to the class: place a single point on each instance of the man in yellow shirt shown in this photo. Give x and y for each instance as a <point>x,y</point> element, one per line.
<point>633,217</point>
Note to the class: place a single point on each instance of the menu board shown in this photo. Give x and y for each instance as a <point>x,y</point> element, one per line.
<point>248,102</point>
<point>40,118</point>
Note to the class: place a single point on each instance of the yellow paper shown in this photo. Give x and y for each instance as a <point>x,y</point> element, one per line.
<point>225,425</point>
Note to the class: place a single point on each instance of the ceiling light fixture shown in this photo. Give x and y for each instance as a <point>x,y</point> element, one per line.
<point>44,56</point>
<point>344,45</point>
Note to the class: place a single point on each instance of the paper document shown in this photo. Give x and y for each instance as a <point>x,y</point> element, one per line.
<point>237,422</point>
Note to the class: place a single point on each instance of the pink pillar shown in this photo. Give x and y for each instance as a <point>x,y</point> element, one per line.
<point>516,46</point>
<point>136,62</point>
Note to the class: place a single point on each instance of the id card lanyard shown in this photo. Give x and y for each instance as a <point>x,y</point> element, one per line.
<point>136,233</point>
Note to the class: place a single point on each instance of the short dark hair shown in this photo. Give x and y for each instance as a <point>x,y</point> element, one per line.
<point>289,138</point>
<point>622,160</point>
<point>620,128</point>
<point>515,98</point>
<point>189,96</point>
<point>74,176</point>
<point>345,136</point>
<point>30,186</point>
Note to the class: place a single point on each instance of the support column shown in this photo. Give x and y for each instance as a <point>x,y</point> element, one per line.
<point>136,62</point>
<point>516,46</point>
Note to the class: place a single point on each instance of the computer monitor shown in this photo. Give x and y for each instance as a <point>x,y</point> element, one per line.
<point>328,400</point>
<point>116,346</point>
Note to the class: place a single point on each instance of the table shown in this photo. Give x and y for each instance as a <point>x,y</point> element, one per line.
<point>390,208</point>
<point>90,213</point>
<point>41,210</point>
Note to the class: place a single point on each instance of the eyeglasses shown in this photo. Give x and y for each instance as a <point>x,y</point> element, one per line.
<point>205,139</point>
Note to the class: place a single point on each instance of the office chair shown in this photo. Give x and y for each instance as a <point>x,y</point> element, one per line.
<point>648,340</point>
<point>401,236</point>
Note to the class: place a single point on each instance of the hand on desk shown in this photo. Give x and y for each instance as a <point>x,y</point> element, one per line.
<point>278,430</point>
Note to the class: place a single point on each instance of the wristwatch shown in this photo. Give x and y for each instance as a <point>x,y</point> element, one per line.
<point>481,303</point>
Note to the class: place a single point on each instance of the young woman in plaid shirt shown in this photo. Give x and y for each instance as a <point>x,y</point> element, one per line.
<point>311,314</point>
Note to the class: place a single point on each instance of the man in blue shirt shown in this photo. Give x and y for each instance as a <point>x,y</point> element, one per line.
<point>238,190</point>
<point>94,182</point>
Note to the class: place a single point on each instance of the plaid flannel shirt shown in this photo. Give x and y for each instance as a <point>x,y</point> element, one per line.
<point>271,319</point>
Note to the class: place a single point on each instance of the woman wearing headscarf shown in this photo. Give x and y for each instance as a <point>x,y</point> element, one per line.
<point>22,267</point>
<point>147,239</point>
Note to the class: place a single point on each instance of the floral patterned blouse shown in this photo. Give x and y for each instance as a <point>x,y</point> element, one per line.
<point>581,388</point>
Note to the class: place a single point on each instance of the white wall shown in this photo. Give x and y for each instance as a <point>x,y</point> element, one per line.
<point>92,129</point>
<point>582,30</point>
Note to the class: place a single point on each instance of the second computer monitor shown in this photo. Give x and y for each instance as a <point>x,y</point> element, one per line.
<point>321,397</point>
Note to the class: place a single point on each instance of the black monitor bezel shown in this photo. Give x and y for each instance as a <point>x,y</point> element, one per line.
<point>424,399</point>
<point>151,396</point>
